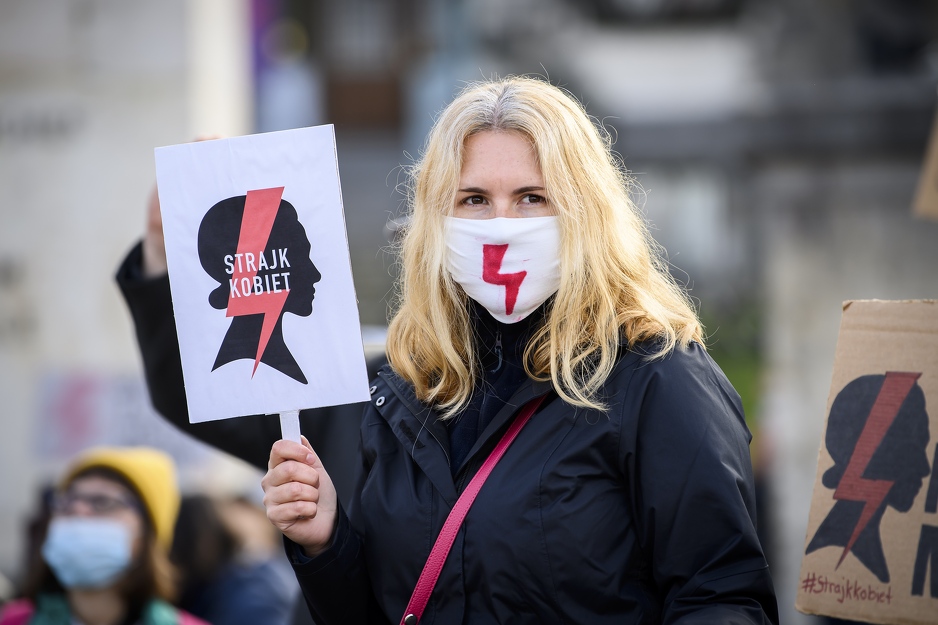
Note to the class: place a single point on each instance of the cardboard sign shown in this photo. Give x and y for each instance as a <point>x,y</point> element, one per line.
<point>260,275</point>
<point>871,552</point>
<point>926,195</point>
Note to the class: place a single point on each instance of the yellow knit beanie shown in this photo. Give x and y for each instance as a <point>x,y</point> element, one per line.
<point>151,473</point>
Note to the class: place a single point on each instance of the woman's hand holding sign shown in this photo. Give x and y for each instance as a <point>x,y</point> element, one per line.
<point>154,246</point>
<point>299,496</point>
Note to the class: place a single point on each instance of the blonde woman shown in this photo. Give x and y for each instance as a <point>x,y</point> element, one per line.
<point>627,496</point>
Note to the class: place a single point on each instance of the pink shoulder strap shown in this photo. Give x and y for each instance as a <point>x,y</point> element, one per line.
<point>17,612</point>
<point>187,619</point>
<point>444,542</point>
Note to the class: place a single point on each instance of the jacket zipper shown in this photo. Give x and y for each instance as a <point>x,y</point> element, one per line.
<point>464,478</point>
<point>471,469</point>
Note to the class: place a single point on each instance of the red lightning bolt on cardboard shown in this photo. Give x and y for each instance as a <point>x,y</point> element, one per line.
<point>853,486</point>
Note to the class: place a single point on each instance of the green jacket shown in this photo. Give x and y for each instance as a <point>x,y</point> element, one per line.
<point>54,610</point>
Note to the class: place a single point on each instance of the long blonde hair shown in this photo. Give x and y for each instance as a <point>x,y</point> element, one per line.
<point>613,284</point>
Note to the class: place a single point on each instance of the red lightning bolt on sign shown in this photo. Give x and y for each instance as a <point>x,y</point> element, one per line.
<point>492,256</point>
<point>260,210</point>
<point>853,486</point>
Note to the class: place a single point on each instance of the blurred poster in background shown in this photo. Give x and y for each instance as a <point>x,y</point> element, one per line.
<point>81,409</point>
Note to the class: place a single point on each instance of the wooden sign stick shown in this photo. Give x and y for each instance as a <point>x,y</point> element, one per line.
<point>290,425</point>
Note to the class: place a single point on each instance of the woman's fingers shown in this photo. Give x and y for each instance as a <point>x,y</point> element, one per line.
<point>154,248</point>
<point>284,450</point>
<point>299,496</point>
<point>285,515</point>
<point>291,471</point>
<point>290,492</point>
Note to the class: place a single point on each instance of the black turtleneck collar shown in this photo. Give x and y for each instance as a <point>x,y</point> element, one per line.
<point>511,337</point>
<point>500,347</point>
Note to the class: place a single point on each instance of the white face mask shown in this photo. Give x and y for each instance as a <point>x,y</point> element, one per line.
<point>509,266</point>
<point>87,552</point>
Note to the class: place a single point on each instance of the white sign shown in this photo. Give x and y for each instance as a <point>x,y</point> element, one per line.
<point>260,275</point>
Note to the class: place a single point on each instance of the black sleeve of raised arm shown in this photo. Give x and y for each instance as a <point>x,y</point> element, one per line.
<point>151,308</point>
<point>332,431</point>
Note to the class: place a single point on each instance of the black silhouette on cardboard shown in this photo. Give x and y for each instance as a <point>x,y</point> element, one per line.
<point>877,434</point>
<point>261,259</point>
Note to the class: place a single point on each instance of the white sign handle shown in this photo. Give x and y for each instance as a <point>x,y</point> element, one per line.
<point>290,425</point>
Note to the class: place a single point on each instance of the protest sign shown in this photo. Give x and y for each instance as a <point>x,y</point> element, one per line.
<point>259,270</point>
<point>871,551</point>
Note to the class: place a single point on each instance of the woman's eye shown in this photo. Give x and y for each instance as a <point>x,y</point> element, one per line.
<point>474,199</point>
<point>530,198</point>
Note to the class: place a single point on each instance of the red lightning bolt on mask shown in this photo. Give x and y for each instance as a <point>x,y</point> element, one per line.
<point>492,256</point>
<point>260,210</point>
<point>484,255</point>
<point>853,486</point>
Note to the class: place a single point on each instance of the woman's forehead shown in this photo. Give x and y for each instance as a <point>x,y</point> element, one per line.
<point>499,152</point>
<point>99,484</point>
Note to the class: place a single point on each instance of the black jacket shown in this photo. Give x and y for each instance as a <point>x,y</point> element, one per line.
<point>641,515</point>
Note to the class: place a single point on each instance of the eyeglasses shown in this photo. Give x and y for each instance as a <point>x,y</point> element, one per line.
<point>97,504</point>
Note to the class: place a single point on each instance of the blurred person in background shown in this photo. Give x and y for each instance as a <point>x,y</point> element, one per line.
<point>529,279</point>
<point>104,558</point>
<point>229,575</point>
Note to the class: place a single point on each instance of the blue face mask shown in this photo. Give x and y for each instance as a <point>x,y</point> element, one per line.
<point>87,552</point>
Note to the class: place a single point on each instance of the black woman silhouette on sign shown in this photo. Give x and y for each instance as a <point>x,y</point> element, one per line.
<point>877,434</point>
<point>258,251</point>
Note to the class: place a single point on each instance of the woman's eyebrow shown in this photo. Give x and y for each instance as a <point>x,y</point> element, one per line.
<point>517,191</point>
